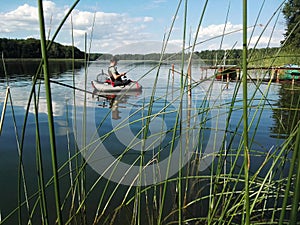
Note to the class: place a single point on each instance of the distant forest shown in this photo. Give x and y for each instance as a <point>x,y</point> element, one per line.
<point>212,57</point>
<point>232,56</point>
<point>30,48</point>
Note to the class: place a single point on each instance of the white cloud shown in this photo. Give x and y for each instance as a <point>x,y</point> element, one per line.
<point>210,37</point>
<point>145,47</point>
<point>148,19</point>
<point>215,30</point>
<point>111,29</point>
<point>265,41</point>
<point>48,6</point>
<point>21,18</point>
<point>116,30</point>
<point>159,1</point>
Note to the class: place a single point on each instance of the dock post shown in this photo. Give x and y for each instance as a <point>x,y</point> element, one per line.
<point>201,69</point>
<point>173,68</point>
<point>272,74</point>
<point>227,80</point>
<point>173,71</point>
<point>277,75</point>
<point>189,73</point>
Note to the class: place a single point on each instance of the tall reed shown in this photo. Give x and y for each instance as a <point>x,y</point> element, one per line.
<point>245,114</point>
<point>50,112</point>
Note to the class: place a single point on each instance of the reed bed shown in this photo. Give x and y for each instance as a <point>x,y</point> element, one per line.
<point>231,190</point>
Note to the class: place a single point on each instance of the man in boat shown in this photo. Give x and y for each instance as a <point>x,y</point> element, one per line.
<point>115,76</point>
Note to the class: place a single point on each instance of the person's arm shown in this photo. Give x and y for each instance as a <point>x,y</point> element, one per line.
<point>116,76</point>
<point>115,73</point>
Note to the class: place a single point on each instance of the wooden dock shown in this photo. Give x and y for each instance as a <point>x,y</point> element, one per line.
<point>233,73</point>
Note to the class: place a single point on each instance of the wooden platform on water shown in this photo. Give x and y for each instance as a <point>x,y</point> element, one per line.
<point>273,74</point>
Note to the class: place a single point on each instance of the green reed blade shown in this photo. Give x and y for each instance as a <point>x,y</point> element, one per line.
<point>50,111</point>
<point>296,197</point>
<point>4,109</point>
<point>245,115</point>
<point>39,162</point>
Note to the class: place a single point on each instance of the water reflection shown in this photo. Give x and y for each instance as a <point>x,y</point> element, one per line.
<point>114,101</point>
<point>286,113</point>
<point>29,67</point>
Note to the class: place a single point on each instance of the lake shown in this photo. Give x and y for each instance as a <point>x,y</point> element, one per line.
<point>122,156</point>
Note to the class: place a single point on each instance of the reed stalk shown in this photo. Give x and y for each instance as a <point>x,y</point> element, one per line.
<point>50,111</point>
<point>39,162</point>
<point>296,197</point>
<point>7,92</point>
<point>245,116</point>
<point>162,200</point>
<point>4,109</point>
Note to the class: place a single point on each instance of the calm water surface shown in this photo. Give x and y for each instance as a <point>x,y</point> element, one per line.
<point>267,135</point>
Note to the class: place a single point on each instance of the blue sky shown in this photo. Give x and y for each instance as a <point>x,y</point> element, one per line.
<point>136,26</point>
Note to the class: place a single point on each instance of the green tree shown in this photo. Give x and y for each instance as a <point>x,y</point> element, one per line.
<point>31,48</point>
<point>291,12</point>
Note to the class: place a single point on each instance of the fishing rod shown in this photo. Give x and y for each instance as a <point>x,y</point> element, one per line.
<point>130,69</point>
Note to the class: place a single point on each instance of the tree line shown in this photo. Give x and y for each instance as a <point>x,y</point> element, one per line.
<point>31,48</point>
<point>263,56</point>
